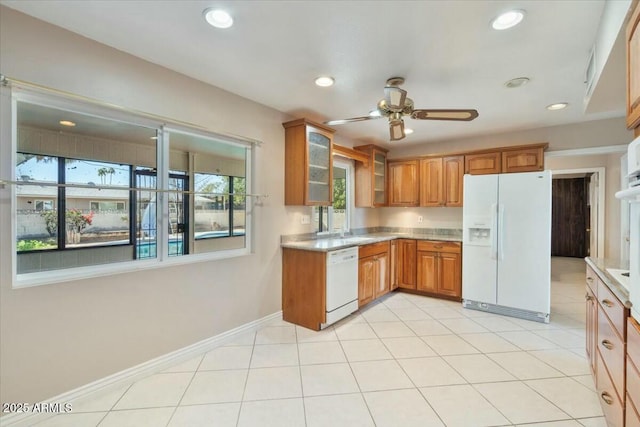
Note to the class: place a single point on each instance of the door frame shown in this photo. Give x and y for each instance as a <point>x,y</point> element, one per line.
<point>597,212</point>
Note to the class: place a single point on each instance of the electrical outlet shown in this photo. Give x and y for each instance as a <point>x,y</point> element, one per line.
<point>420,219</point>
<point>305,219</point>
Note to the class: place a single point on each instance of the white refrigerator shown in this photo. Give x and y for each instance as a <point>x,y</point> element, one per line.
<point>506,255</point>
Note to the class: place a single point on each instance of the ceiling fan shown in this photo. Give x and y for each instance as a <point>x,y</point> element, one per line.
<point>395,105</point>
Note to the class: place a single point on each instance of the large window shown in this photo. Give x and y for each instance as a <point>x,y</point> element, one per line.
<point>96,191</point>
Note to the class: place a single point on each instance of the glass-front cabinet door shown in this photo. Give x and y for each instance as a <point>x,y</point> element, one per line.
<point>318,167</point>
<point>379,178</point>
<point>308,171</point>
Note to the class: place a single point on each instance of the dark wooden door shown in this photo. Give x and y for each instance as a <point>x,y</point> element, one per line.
<point>569,218</point>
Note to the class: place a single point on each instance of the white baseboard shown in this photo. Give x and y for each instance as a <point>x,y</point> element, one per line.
<point>138,372</point>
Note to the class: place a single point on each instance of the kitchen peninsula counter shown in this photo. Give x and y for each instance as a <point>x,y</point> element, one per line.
<point>333,243</point>
<point>600,266</point>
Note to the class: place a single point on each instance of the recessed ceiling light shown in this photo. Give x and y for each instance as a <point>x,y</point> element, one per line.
<point>67,123</point>
<point>408,131</point>
<point>517,82</point>
<point>557,106</point>
<point>507,20</point>
<point>325,81</point>
<point>218,18</point>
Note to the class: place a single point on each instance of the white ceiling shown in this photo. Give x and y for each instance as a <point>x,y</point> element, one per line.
<point>446,50</point>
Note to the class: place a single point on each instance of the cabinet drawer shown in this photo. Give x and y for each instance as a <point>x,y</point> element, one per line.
<point>613,307</point>
<point>592,281</point>
<point>609,400</point>
<point>633,382</point>
<point>631,418</point>
<point>373,249</point>
<point>437,246</point>
<point>612,351</point>
<point>633,341</point>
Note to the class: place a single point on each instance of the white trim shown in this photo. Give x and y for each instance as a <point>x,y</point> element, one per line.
<point>600,171</point>
<point>606,149</point>
<point>137,372</point>
<point>67,102</point>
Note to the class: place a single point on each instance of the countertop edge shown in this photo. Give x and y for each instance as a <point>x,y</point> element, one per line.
<point>312,245</point>
<point>618,290</point>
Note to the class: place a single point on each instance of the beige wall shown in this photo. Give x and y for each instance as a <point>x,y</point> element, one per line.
<point>595,133</point>
<point>58,337</point>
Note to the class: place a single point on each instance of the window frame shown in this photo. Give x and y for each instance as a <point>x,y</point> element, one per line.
<point>349,202</point>
<point>46,98</point>
<point>231,233</point>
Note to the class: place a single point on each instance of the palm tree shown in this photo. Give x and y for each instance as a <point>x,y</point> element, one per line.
<point>103,172</point>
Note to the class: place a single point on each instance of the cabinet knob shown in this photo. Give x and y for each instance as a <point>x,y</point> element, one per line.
<point>588,297</point>
<point>607,303</point>
<point>589,279</point>
<point>607,344</point>
<point>607,398</point>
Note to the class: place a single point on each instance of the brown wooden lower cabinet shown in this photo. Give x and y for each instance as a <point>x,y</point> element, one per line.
<point>591,328</point>
<point>373,272</point>
<point>406,263</point>
<point>439,266</point>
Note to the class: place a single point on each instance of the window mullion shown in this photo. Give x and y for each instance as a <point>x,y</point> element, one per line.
<point>62,204</point>
<point>230,206</point>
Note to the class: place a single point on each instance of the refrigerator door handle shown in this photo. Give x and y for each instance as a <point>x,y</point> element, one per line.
<point>494,231</point>
<point>500,233</point>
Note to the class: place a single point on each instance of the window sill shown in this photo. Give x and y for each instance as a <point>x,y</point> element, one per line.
<point>28,280</point>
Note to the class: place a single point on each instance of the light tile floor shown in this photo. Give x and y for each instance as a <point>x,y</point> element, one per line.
<point>404,361</point>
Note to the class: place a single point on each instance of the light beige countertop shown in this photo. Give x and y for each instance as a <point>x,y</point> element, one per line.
<point>334,243</point>
<point>600,267</point>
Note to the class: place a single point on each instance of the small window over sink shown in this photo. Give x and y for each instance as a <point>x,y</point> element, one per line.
<point>336,218</point>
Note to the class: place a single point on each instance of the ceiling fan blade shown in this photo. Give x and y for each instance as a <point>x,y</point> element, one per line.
<point>394,97</point>
<point>396,129</point>
<point>461,115</point>
<point>354,119</point>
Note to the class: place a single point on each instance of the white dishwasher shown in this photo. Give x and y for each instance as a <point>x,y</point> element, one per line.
<point>342,284</point>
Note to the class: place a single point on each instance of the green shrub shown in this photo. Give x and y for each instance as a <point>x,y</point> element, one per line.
<point>31,245</point>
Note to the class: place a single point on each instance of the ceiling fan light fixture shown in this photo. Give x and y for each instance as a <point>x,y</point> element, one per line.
<point>517,82</point>
<point>507,19</point>
<point>325,81</point>
<point>557,106</point>
<point>375,113</point>
<point>396,129</point>
<point>218,18</point>
<point>408,131</point>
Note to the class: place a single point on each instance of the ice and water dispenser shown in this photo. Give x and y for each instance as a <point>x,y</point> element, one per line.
<point>478,231</point>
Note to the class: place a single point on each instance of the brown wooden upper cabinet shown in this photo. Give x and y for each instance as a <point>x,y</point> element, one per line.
<point>371,179</point>
<point>523,160</point>
<point>482,164</point>
<point>403,183</point>
<point>308,165</point>
<point>633,69</point>
<point>528,158</point>
<point>441,181</point>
